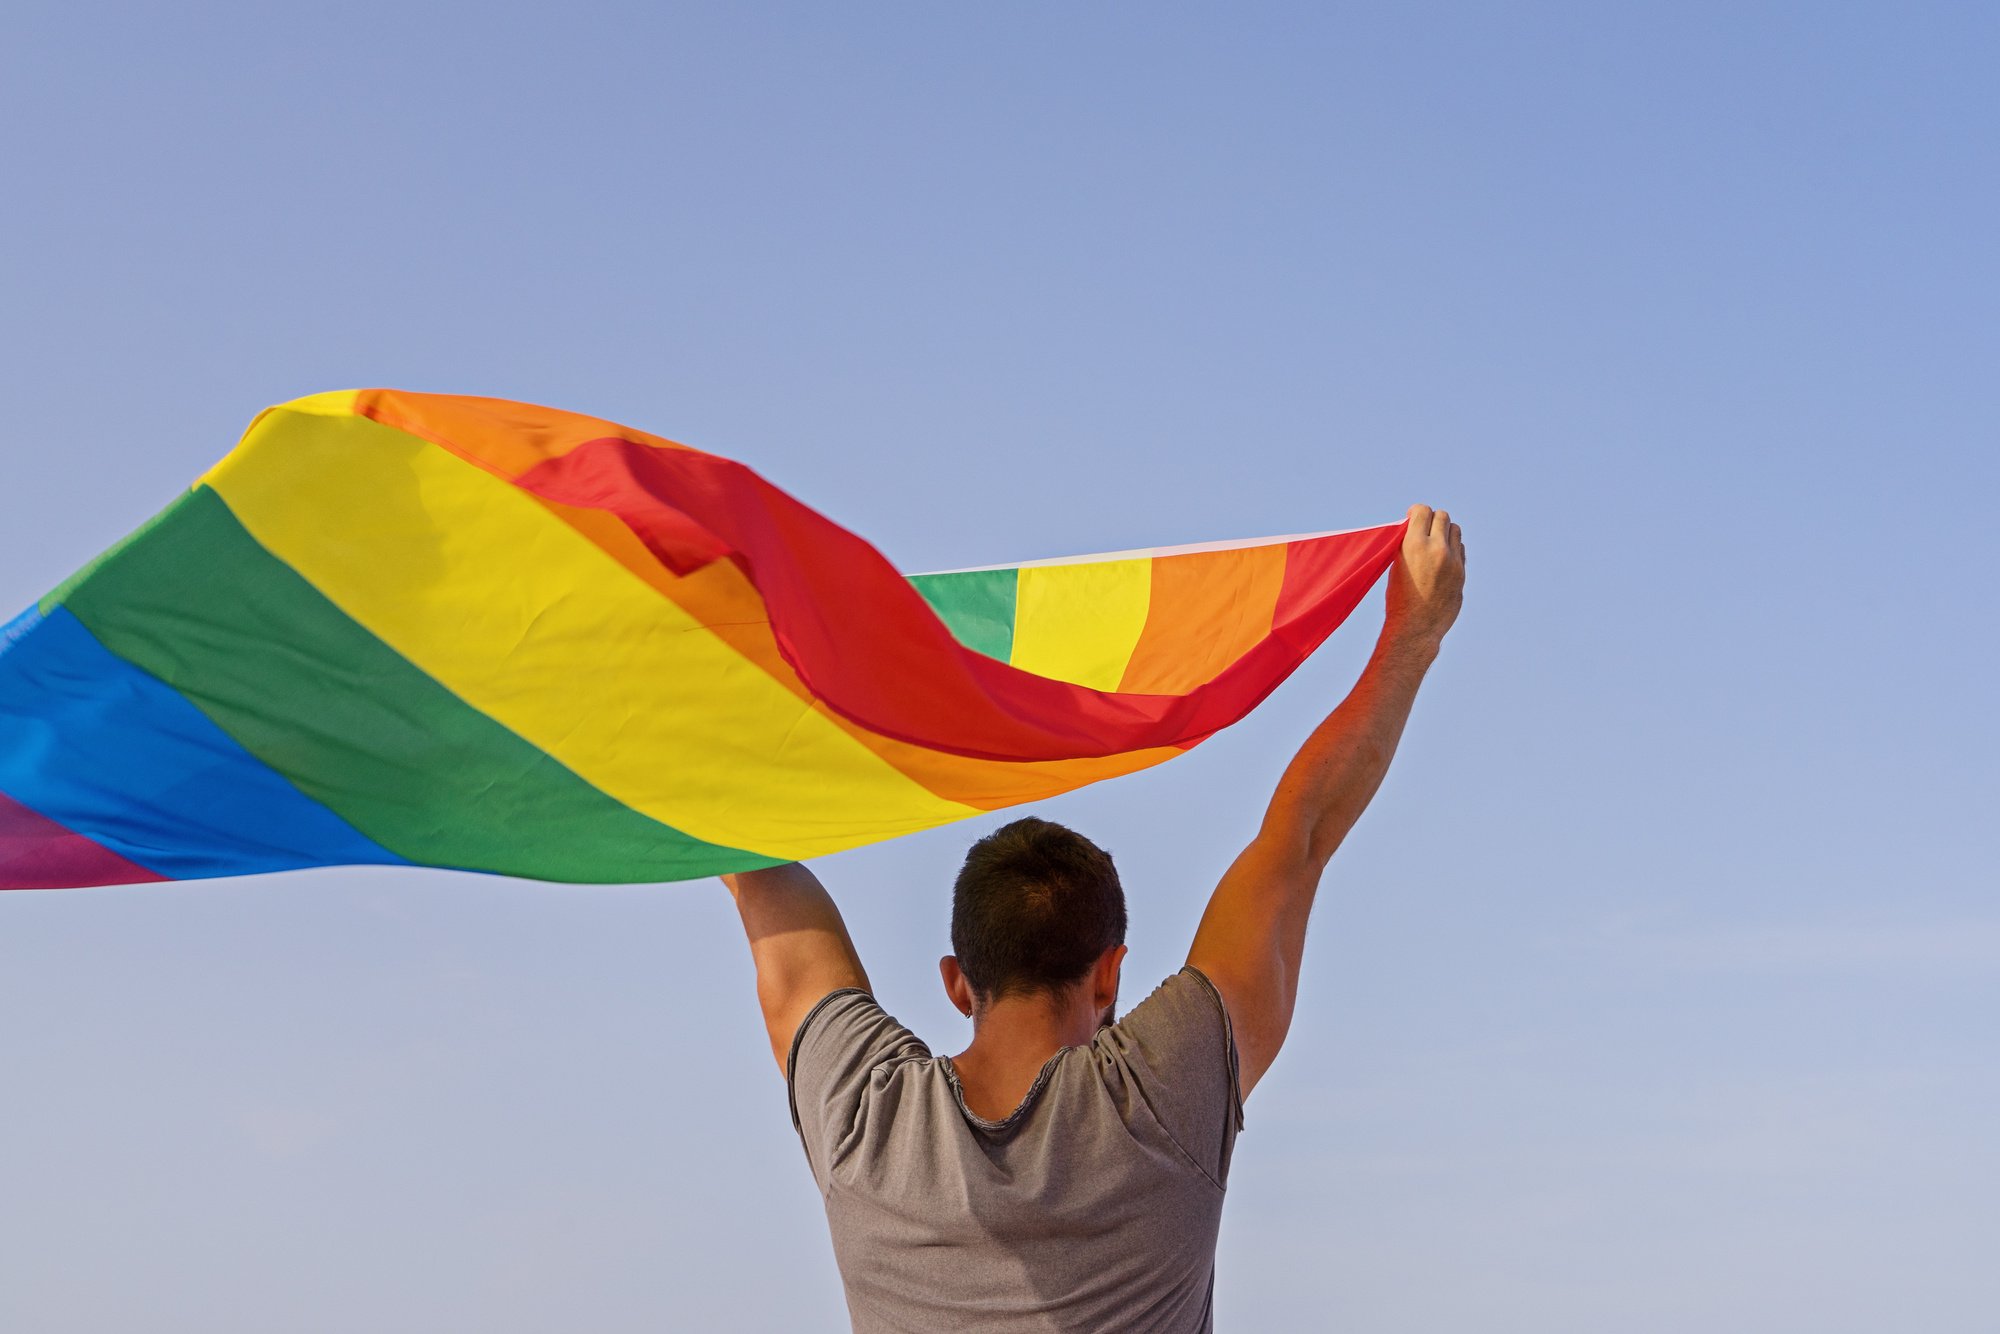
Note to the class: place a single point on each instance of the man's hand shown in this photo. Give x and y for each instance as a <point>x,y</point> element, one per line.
<point>799,944</point>
<point>1253,935</point>
<point>1428,581</point>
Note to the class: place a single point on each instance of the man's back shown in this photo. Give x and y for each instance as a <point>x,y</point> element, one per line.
<point>1094,1205</point>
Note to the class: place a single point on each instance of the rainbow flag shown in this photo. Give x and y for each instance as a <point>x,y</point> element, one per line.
<point>416,629</point>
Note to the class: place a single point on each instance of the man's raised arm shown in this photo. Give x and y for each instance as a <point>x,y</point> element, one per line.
<point>1253,934</point>
<point>799,944</point>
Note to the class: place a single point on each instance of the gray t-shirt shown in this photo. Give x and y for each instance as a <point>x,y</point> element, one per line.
<point>1093,1206</point>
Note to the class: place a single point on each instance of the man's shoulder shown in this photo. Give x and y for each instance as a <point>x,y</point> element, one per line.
<point>1177,1050</point>
<point>843,1038</point>
<point>1183,1000</point>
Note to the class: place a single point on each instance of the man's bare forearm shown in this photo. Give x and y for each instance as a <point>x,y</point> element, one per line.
<point>1255,926</point>
<point>1341,765</point>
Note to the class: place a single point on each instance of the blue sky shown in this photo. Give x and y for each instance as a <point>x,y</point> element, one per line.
<point>1655,994</point>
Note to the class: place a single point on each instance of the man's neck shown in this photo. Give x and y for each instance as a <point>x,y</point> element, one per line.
<point>1012,1039</point>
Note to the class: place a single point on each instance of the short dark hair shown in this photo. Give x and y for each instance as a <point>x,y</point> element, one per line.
<point>1034,906</point>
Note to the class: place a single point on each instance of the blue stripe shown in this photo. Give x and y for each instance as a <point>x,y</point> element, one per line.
<point>95,744</point>
<point>19,626</point>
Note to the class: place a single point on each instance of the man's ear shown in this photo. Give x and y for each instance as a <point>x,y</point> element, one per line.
<point>955,985</point>
<point>1104,978</point>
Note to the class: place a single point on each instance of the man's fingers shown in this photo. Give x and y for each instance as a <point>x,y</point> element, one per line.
<point>1436,525</point>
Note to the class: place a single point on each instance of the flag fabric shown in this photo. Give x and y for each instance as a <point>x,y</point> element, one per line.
<point>417,629</point>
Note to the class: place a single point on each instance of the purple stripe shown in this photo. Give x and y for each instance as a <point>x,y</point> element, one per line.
<point>38,853</point>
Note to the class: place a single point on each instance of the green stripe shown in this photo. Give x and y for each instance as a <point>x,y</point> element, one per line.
<point>201,605</point>
<point>978,606</point>
<point>61,593</point>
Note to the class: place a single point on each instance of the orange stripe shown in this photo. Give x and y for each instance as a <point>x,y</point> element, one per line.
<point>503,437</point>
<point>1208,609</point>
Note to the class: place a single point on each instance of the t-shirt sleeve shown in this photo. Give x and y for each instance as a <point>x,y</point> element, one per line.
<point>1178,1048</point>
<point>843,1041</point>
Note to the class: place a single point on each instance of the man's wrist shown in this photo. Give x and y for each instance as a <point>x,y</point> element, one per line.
<point>1411,640</point>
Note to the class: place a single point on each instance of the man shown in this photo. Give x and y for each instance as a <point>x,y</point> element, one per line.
<point>1065,1172</point>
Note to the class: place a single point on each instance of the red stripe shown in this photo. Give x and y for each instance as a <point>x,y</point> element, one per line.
<point>1326,578</point>
<point>38,853</point>
<point>904,676</point>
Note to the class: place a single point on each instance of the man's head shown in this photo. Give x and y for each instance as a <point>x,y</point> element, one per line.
<point>1037,911</point>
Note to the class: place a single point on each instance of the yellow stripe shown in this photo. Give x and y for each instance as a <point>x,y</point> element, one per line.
<point>1080,622</point>
<point>332,403</point>
<point>534,625</point>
